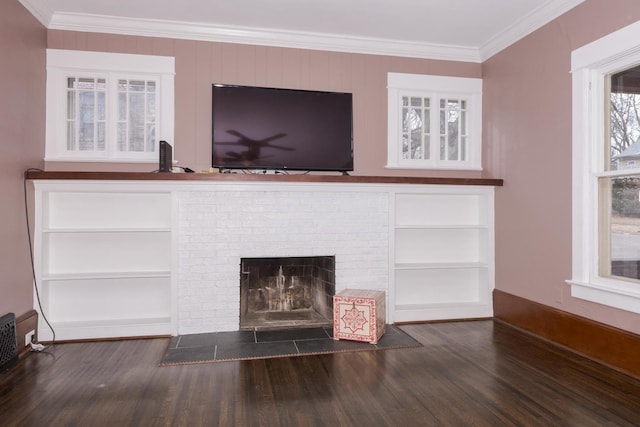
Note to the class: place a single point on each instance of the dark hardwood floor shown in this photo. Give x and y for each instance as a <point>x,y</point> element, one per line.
<point>477,373</point>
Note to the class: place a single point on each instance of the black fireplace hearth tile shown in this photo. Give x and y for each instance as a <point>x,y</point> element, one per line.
<point>241,345</point>
<point>174,341</point>
<point>330,346</point>
<point>291,334</point>
<point>392,337</point>
<point>189,354</point>
<point>218,338</point>
<point>258,350</point>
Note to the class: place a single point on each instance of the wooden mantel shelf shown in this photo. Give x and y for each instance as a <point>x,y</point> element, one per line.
<point>217,177</point>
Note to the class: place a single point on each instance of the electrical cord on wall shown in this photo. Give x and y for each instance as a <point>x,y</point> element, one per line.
<point>34,347</point>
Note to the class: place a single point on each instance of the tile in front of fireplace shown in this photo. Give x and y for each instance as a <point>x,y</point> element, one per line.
<point>212,339</point>
<point>189,354</point>
<point>393,337</point>
<point>243,345</point>
<point>256,350</point>
<point>330,346</point>
<point>292,334</point>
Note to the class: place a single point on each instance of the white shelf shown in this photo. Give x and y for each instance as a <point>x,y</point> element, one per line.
<point>107,329</point>
<point>454,207</point>
<point>457,311</point>
<point>434,305</point>
<point>101,209</point>
<point>104,252</point>
<point>442,258</point>
<point>107,275</point>
<point>440,265</point>
<point>106,230</point>
<point>440,245</point>
<point>113,323</point>
<point>441,227</point>
<point>104,262</point>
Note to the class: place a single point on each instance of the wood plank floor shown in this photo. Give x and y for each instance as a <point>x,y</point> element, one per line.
<point>477,373</point>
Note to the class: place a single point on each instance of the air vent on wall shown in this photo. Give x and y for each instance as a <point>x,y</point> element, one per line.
<point>8,342</point>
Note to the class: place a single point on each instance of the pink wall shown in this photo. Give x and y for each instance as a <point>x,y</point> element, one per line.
<point>22,113</point>
<point>527,130</point>
<point>527,137</point>
<point>199,64</point>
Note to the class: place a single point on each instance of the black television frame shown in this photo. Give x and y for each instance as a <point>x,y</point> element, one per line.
<point>346,100</point>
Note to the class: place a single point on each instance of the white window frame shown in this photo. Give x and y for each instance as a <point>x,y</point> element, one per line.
<point>590,65</point>
<point>62,64</point>
<point>435,88</point>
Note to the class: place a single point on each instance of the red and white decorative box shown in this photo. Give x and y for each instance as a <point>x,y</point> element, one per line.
<point>359,315</point>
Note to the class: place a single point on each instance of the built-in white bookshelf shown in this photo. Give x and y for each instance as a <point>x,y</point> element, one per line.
<point>443,253</point>
<point>103,261</point>
<point>141,257</point>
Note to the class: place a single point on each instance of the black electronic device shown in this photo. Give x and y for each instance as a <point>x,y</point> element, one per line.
<point>166,157</point>
<point>281,129</point>
<point>8,342</point>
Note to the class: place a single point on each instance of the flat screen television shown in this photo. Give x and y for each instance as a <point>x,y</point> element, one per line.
<point>281,129</point>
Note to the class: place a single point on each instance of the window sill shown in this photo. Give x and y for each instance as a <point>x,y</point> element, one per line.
<point>620,296</point>
<point>94,160</point>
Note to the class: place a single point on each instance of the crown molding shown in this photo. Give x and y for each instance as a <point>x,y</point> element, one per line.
<point>300,40</point>
<point>259,36</point>
<point>526,25</point>
<point>39,9</point>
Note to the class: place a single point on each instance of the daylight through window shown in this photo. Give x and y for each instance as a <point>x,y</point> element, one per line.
<point>620,194</point>
<point>435,122</point>
<point>606,171</point>
<point>108,107</point>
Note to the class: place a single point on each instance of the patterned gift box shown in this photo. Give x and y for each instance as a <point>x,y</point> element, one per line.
<point>359,315</point>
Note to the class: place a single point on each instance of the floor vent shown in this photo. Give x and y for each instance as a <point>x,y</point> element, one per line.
<point>8,342</point>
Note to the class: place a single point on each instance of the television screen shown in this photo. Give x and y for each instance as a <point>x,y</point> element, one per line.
<point>281,129</point>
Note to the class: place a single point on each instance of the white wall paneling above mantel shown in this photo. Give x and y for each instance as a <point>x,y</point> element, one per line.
<point>430,247</point>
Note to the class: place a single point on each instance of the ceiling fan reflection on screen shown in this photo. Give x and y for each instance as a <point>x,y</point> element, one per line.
<point>253,147</point>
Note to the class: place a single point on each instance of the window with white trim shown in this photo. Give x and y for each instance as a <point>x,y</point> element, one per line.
<point>606,188</point>
<point>108,107</point>
<point>435,122</point>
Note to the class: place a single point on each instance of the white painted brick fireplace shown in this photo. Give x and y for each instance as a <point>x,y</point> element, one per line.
<point>216,228</point>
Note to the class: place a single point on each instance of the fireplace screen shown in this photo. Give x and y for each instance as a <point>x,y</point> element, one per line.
<point>278,293</point>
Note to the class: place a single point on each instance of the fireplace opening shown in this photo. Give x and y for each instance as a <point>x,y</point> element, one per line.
<point>290,292</point>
